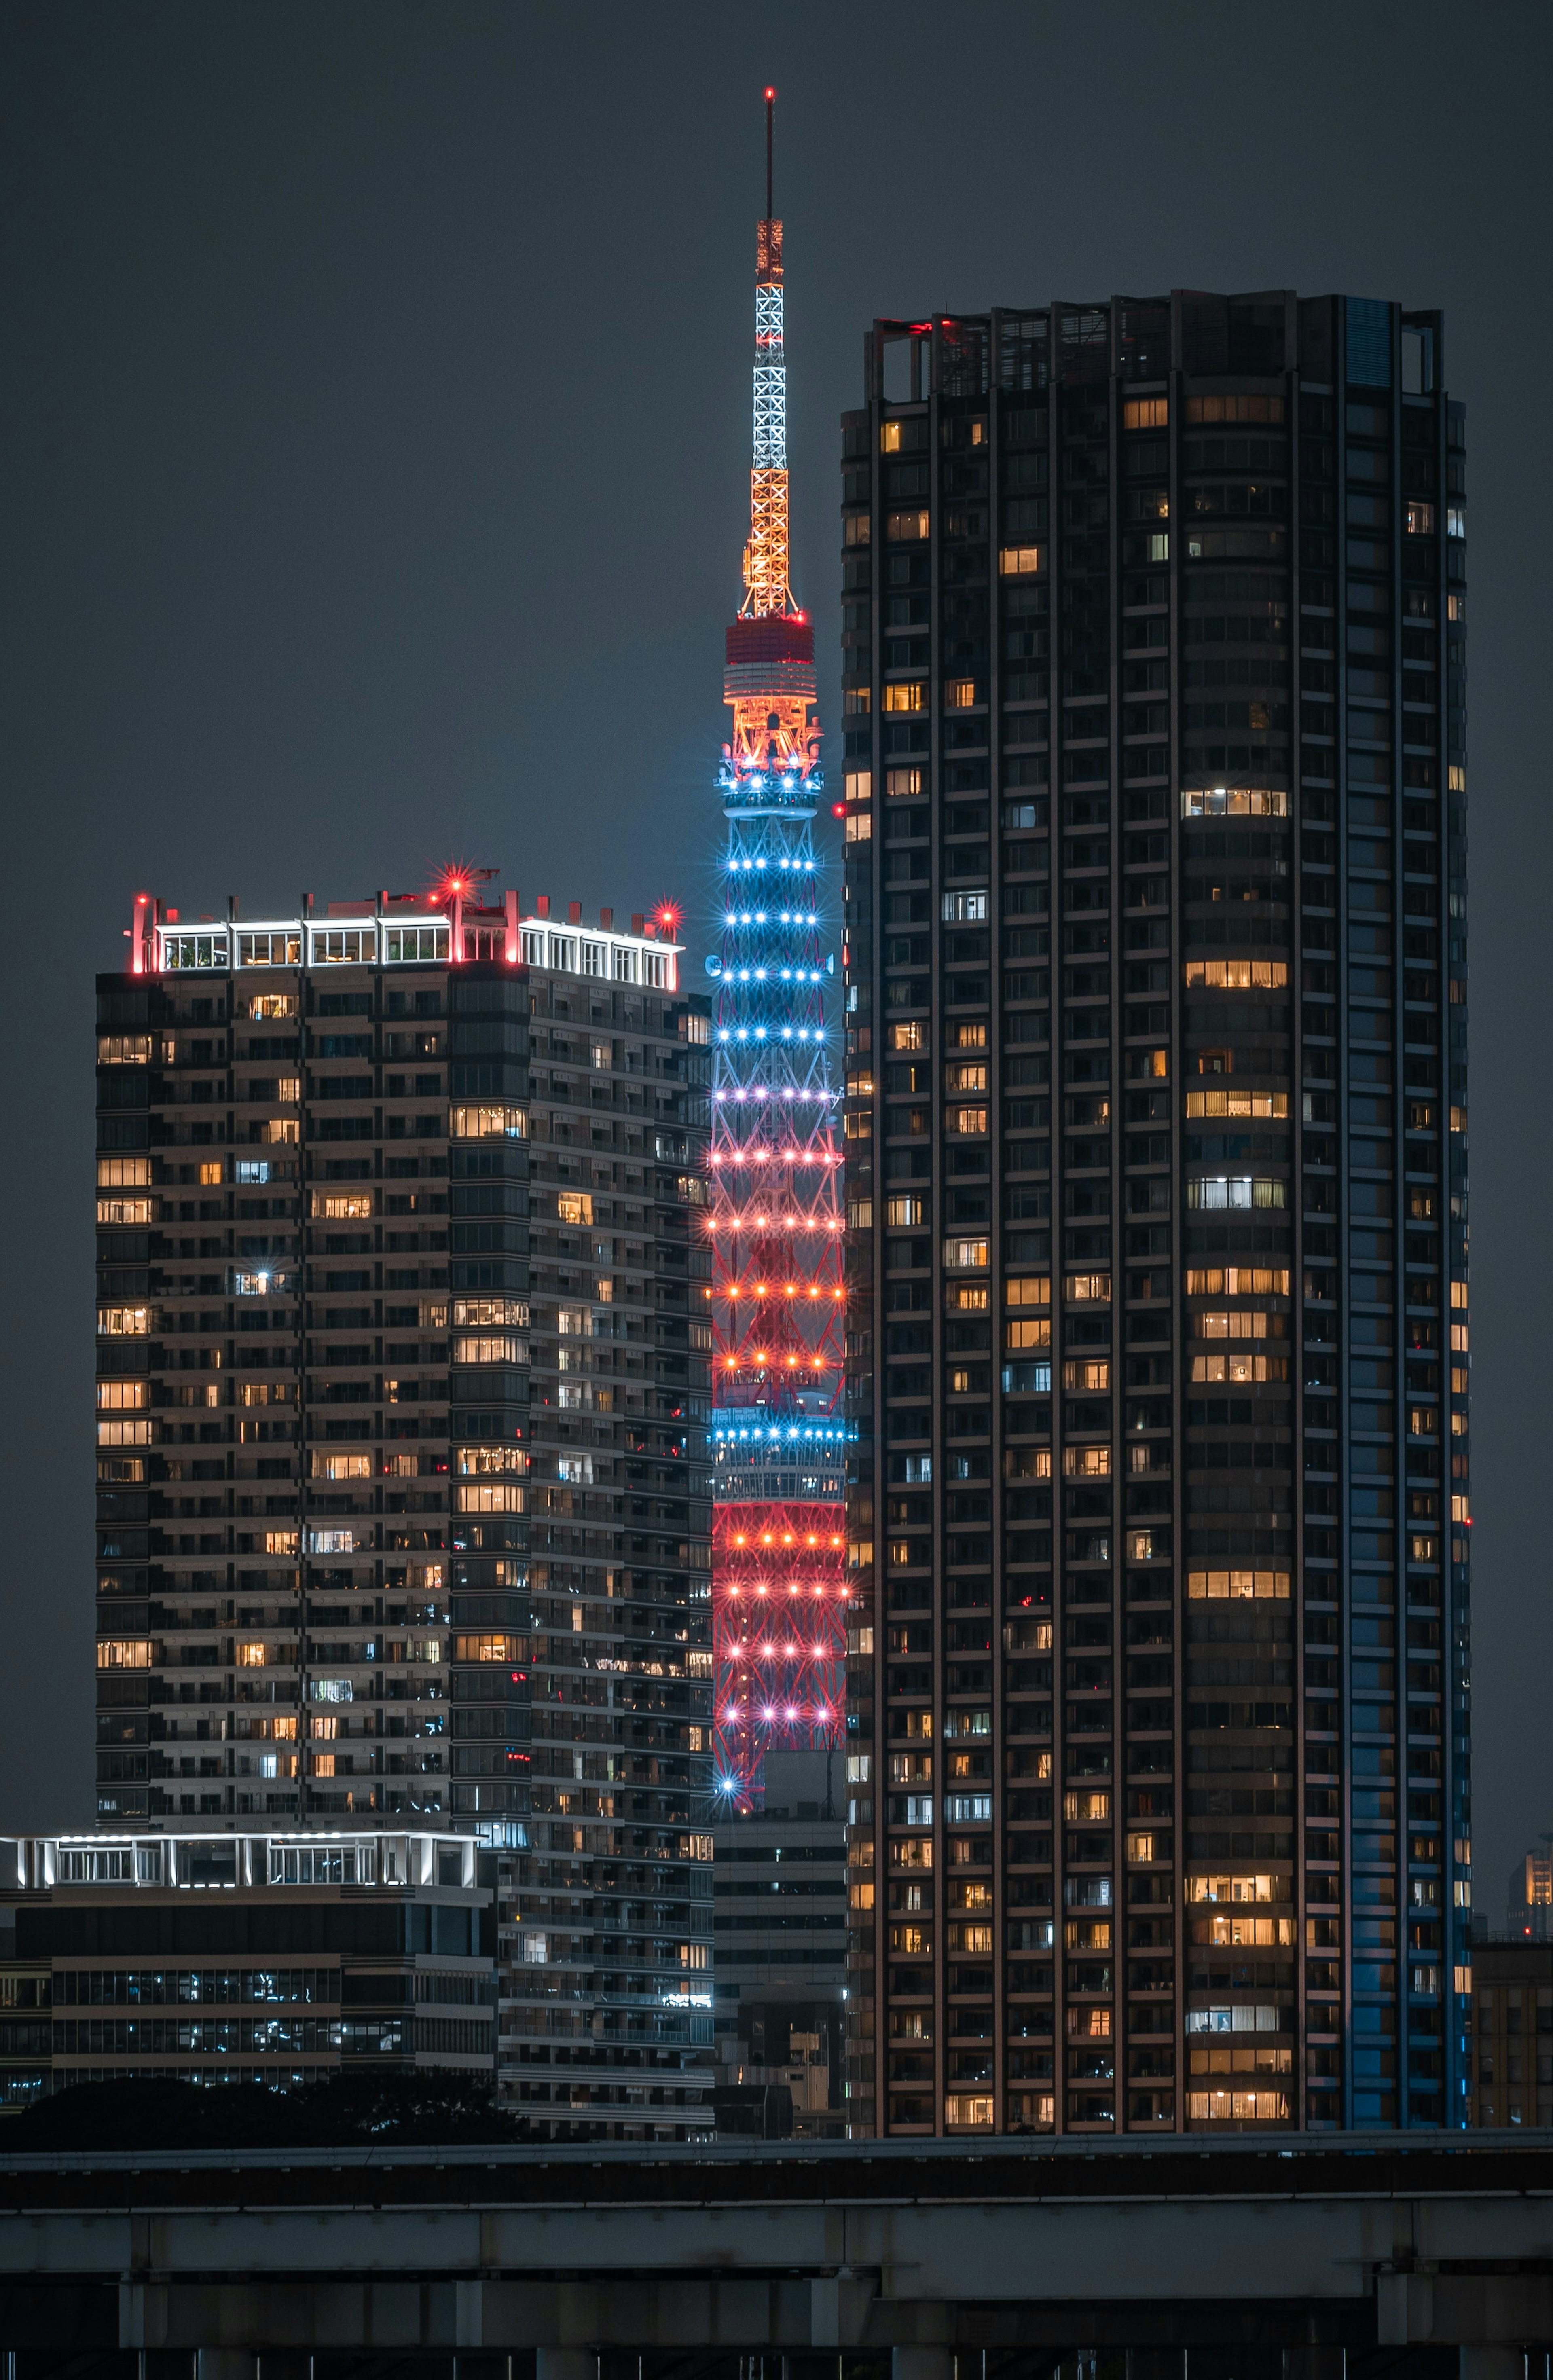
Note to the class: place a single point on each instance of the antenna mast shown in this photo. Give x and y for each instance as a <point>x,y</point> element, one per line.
<point>765,562</point>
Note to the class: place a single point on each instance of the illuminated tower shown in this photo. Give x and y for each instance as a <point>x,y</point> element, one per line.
<point>778,1588</point>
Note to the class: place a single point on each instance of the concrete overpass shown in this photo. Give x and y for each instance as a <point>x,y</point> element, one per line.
<point>1300,2254</point>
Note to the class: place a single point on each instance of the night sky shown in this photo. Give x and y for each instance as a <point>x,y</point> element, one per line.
<point>373,455</point>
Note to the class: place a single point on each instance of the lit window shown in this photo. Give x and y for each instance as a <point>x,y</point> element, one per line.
<point>1034,1289</point>
<point>344,945</point>
<point>966,1119</point>
<point>491,1350</point>
<point>959,694</point>
<point>1237,1888</point>
<point>1234,801</point>
<point>1087,1288</point>
<point>182,953</point>
<point>903,1213</point>
<point>124,1173</point>
<point>1237,1586</point>
<point>902,783</point>
<point>965,1256</point>
<point>123,1653</point>
<point>1237,1103</point>
<point>1420,519</point>
<point>964,908</point>
<point>1087,1462</point>
<point>1088,1373</point>
<point>479,1313</point>
<point>1145,413</point>
<point>505,1648</point>
<point>488,1123</point>
<point>124,1049</point>
<point>124,1210</point>
<point>124,1433</point>
<point>488,1496</point>
<point>905,528</point>
<point>1237,1326</point>
<point>270,950</point>
<point>1035,1332</point>
<point>123,1321</point>
<point>913,695</point>
<point>342,1466</point>
<point>1236,974</point>
<point>1240,1367</point>
<point>1020,561</point>
<point>417,943</point>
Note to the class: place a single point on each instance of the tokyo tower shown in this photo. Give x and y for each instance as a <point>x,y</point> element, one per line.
<point>779,1576</point>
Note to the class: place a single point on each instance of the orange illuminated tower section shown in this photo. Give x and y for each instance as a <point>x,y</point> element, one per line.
<point>779,1578</point>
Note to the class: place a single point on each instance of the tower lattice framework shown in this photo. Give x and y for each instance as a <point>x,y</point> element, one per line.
<point>779,1568</point>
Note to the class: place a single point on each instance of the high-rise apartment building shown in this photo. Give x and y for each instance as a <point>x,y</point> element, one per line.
<point>606,1910</point>
<point>328,1405</point>
<point>312,1383</point>
<point>1154,682</point>
<point>781,1949</point>
<point>1529,1904</point>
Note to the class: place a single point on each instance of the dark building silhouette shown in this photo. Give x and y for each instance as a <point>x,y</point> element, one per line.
<point>1153,684</point>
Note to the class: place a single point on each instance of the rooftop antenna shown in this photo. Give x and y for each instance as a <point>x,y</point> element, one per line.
<point>771,111</point>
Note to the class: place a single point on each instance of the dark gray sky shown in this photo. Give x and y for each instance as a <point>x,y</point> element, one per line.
<point>372,453</point>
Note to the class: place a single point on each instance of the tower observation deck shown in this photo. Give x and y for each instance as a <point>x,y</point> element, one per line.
<point>779,1575</point>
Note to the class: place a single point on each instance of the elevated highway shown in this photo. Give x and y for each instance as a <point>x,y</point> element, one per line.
<point>984,2261</point>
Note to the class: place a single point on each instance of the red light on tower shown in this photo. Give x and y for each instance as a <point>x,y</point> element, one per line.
<point>668,916</point>
<point>456,880</point>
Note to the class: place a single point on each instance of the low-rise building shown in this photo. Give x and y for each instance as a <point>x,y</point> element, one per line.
<point>1512,2029</point>
<point>255,1957</point>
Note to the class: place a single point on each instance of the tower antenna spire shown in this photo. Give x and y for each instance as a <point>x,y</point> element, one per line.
<point>777,1293</point>
<point>767,591</point>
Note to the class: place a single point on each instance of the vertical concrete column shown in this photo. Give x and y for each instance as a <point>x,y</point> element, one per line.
<point>566,2364</point>
<point>935,2363</point>
<point>1308,2362</point>
<point>1482,2360</point>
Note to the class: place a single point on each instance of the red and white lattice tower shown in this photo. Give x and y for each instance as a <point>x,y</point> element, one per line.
<point>779,1570</point>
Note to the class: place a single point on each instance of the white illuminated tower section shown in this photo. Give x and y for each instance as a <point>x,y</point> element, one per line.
<point>779,1579</point>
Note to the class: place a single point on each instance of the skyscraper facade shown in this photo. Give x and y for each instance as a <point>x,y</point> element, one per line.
<point>346,1372</point>
<point>605,1906</point>
<point>313,1392</point>
<point>1154,683</point>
